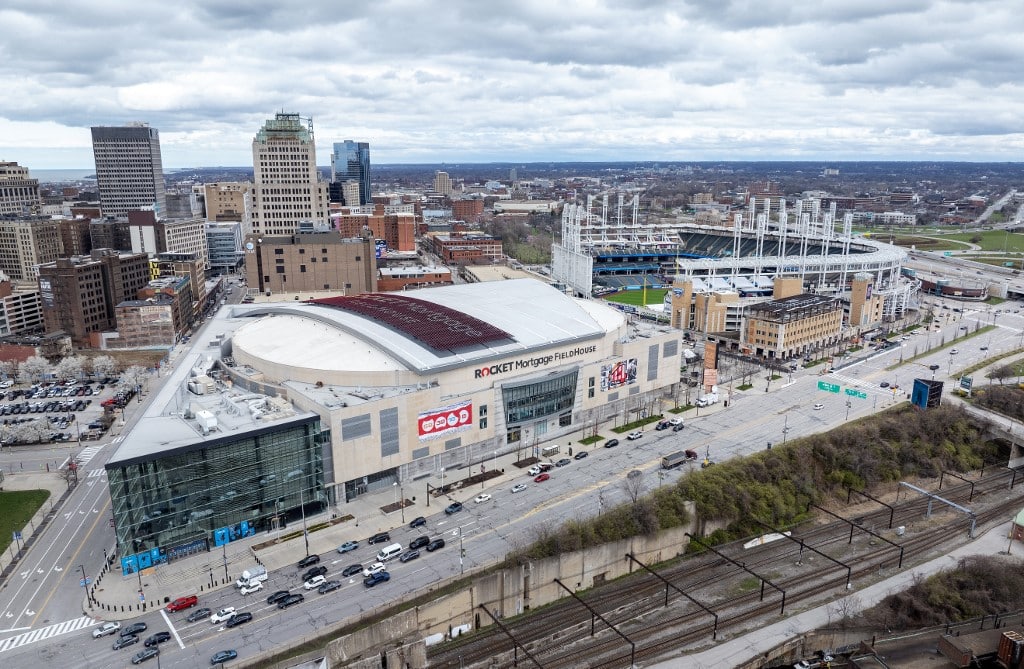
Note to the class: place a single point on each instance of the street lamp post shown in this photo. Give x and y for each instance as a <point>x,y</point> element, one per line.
<point>494,463</point>
<point>85,583</point>
<point>302,508</point>
<point>442,480</point>
<point>785,429</point>
<point>848,405</point>
<point>462,553</point>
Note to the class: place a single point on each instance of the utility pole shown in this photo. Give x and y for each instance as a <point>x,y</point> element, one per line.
<point>302,508</point>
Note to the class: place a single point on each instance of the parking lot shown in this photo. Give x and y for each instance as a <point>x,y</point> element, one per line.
<point>46,412</point>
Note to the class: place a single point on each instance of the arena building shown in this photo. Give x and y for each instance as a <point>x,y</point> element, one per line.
<point>288,405</point>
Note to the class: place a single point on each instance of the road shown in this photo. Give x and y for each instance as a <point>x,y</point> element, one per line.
<point>47,595</point>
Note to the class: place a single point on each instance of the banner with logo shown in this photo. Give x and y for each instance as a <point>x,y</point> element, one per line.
<point>617,374</point>
<point>447,420</point>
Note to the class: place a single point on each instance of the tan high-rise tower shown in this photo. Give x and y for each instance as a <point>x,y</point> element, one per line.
<point>288,193</point>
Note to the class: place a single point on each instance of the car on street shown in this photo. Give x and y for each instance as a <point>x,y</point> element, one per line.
<point>678,428</point>
<point>418,521</point>
<point>313,572</point>
<point>251,588</point>
<point>541,478</point>
<point>144,655</point>
<point>519,487</point>
<point>953,351</point>
<point>277,596</point>
<point>348,546</point>
<point>375,568</point>
<point>105,629</point>
<point>633,436</point>
<point>222,615</point>
<point>134,628</point>
<point>308,561</point>
<point>482,497</point>
<point>379,538</point>
<point>183,603</point>
<point>408,556</point>
<point>199,614</point>
<point>419,542</point>
<point>329,586</point>
<point>291,600</point>
<point>933,367</point>
<point>222,656</point>
<point>675,421</point>
<point>379,577</point>
<point>435,545</point>
<point>238,619</point>
<point>563,462</point>
<point>123,641</point>
<point>159,637</point>
<point>352,570</point>
<point>819,406</point>
<point>314,582</point>
<point>454,507</point>
<point>611,443</point>
<point>983,348</point>
<point>580,455</point>
<point>883,384</point>
<point>534,470</point>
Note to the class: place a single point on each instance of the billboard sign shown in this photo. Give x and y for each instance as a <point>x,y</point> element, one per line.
<point>446,420</point>
<point>381,247</point>
<point>621,373</point>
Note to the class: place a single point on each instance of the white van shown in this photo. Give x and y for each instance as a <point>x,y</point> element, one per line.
<point>389,552</point>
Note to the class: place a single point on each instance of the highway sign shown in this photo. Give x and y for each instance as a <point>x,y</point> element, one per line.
<point>853,392</point>
<point>830,387</point>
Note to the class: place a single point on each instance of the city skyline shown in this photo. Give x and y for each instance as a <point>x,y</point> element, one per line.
<point>461,82</point>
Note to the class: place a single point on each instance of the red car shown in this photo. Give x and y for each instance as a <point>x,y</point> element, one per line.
<point>183,603</point>
<point>542,477</point>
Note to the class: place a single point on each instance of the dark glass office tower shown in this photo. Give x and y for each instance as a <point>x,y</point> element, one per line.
<point>350,161</point>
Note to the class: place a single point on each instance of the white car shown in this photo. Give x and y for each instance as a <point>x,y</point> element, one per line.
<point>482,497</point>
<point>675,421</point>
<point>252,587</point>
<point>105,629</point>
<point>534,470</point>
<point>314,582</point>
<point>633,436</point>
<point>519,487</point>
<point>222,615</point>
<point>374,568</point>
<point>819,406</point>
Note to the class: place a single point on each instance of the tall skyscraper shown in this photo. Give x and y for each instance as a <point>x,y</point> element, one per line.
<point>442,183</point>
<point>351,161</point>
<point>19,195</point>
<point>129,171</point>
<point>287,189</point>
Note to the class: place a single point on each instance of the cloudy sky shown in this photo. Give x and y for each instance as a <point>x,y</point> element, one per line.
<point>530,80</point>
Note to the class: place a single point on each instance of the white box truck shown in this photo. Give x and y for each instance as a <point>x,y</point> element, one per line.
<point>251,577</point>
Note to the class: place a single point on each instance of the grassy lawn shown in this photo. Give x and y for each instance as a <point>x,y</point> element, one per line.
<point>636,297</point>
<point>992,240</point>
<point>16,508</point>
<point>945,243</point>
<point>998,262</point>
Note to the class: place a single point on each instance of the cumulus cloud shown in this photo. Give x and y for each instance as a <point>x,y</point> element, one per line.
<point>525,80</point>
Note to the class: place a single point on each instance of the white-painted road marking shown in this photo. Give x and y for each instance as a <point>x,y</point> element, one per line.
<point>46,632</point>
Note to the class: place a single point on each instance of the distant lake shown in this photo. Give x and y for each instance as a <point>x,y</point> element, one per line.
<point>57,176</point>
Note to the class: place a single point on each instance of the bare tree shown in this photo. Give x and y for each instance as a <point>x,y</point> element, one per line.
<point>8,368</point>
<point>69,368</point>
<point>133,377</point>
<point>34,369</point>
<point>1002,372</point>
<point>104,365</point>
<point>633,485</point>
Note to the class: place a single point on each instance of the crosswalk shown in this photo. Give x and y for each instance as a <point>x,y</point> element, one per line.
<point>47,632</point>
<point>87,453</point>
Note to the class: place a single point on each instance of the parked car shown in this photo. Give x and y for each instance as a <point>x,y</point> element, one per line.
<point>675,421</point>
<point>633,436</point>
<point>534,470</point>
<point>662,425</point>
<point>519,487</point>
<point>563,462</point>
<point>308,561</point>
<point>145,654</point>
<point>222,656</point>
<point>314,582</point>
<point>454,507</point>
<point>352,570</point>
<point>251,588</point>
<point>408,556</point>
<point>379,577</point>
<point>375,568</point>
<point>222,615</point>
<point>238,619</point>
<point>379,538</point>
<point>819,406</point>
<point>198,614</point>
<point>159,637</point>
<point>106,629</point>
<point>678,428</point>
<point>611,443</point>
<point>328,587</point>
<point>418,522</point>
<point>291,600</point>
<point>482,497</point>
<point>123,641</point>
<point>419,542</point>
<point>348,546</point>
<point>435,545</point>
<point>580,455</point>
<point>183,603</point>
<point>277,596</point>
<point>313,572</point>
<point>134,628</point>
<point>541,478</point>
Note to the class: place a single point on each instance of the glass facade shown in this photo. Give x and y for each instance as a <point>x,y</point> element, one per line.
<point>529,401</point>
<point>351,160</point>
<point>216,491</point>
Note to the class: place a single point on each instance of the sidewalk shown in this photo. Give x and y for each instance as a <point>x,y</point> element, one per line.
<point>758,642</point>
<point>31,480</point>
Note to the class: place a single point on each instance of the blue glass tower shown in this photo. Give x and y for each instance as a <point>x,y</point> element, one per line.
<point>351,161</point>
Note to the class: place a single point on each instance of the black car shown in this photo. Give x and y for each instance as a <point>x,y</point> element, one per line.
<point>434,545</point>
<point>580,455</point>
<point>563,462</point>
<point>238,619</point>
<point>418,522</point>
<point>222,656</point>
<point>611,443</point>
<point>419,542</point>
<point>409,556</point>
<point>678,428</point>
<point>352,570</point>
<point>328,586</point>
<point>277,596</point>
<point>289,600</point>
<point>308,560</point>
<point>374,579</point>
<point>144,655</point>
<point>123,641</point>
<point>159,637</point>
<point>134,628</point>
<point>379,538</point>
<point>199,614</point>
<point>454,507</point>
<point>314,572</point>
